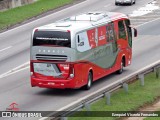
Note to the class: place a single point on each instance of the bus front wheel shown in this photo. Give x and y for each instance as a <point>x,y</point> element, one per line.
<point>121,67</point>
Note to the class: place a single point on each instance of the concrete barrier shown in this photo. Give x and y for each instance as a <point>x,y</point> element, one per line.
<point>8,4</point>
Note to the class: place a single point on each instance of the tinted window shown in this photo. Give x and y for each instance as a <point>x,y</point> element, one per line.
<point>110,32</point>
<point>122,32</point>
<point>56,38</point>
<point>111,36</point>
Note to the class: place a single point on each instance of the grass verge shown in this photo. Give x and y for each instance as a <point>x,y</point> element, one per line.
<point>137,97</point>
<point>19,14</point>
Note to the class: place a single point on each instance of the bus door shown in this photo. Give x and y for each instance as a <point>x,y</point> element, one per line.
<point>122,35</point>
<point>125,39</point>
<point>129,37</point>
<point>129,31</point>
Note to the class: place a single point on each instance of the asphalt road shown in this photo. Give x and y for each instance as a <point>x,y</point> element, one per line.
<point>14,51</point>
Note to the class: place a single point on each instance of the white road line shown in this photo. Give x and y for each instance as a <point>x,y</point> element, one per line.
<point>148,22</point>
<point>15,70</point>
<point>7,74</point>
<point>5,48</point>
<point>107,5</point>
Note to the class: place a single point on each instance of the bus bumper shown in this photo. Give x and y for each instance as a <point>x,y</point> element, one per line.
<point>60,84</point>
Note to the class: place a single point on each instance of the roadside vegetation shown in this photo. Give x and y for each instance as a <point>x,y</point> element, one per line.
<point>20,14</point>
<point>137,97</point>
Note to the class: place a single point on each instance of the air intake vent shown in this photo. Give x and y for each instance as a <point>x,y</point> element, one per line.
<point>91,13</point>
<point>51,57</point>
<point>90,16</point>
<point>63,25</point>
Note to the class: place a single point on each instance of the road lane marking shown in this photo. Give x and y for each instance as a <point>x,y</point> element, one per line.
<point>149,8</point>
<point>107,5</point>
<point>5,48</point>
<point>10,73</point>
<point>148,22</point>
<point>15,70</point>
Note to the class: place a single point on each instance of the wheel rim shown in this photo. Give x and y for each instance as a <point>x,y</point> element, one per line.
<point>121,67</point>
<point>89,80</point>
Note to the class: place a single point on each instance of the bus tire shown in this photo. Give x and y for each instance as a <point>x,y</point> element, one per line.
<point>131,3</point>
<point>89,82</point>
<point>120,71</point>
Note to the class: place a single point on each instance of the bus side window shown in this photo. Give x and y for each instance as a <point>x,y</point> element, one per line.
<point>109,33</point>
<point>122,32</point>
<point>111,36</point>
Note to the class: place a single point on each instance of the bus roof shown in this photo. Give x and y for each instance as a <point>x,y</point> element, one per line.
<point>83,21</point>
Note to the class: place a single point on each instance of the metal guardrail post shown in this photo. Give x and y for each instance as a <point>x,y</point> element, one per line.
<point>141,78</point>
<point>87,106</point>
<point>108,98</point>
<point>158,73</point>
<point>125,87</point>
<point>64,118</point>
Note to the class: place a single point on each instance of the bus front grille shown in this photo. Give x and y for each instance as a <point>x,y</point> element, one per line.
<point>51,57</point>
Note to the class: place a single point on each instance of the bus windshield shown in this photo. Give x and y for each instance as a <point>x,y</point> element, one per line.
<point>55,38</point>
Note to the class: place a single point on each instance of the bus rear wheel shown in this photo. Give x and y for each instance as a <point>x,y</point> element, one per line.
<point>131,3</point>
<point>89,82</point>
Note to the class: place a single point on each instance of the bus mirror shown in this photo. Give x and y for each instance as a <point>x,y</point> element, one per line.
<point>135,32</point>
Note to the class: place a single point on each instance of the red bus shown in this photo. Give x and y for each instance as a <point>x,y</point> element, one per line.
<point>76,51</point>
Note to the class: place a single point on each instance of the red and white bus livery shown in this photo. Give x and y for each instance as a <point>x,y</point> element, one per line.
<point>78,50</point>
